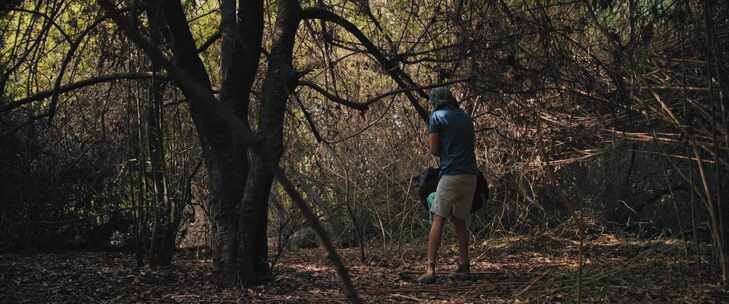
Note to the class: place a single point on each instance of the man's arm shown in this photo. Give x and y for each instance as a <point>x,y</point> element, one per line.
<point>435,143</point>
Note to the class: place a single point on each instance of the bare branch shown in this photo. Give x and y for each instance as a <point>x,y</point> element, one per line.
<point>314,222</point>
<point>69,55</point>
<point>212,39</point>
<point>93,81</point>
<point>49,18</point>
<point>74,86</point>
<point>364,106</point>
<point>418,88</point>
<point>390,66</point>
<point>312,126</point>
<point>333,97</point>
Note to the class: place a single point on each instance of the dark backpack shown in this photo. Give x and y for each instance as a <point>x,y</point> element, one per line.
<point>428,182</point>
<point>482,193</point>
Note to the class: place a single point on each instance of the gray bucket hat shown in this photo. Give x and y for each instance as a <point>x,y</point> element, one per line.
<point>441,95</point>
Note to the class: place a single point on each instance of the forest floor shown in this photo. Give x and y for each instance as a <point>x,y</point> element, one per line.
<point>517,269</point>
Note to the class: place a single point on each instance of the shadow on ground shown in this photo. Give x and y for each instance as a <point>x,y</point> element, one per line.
<point>542,269</point>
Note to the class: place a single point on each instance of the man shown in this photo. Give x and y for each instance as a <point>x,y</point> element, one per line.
<point>452,140</point>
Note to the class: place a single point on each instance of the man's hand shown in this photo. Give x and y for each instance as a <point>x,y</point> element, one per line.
<point>434,143</point>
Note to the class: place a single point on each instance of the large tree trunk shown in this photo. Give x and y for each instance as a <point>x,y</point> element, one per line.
<point>253,251</point>
<point>224,155</point>
<point>221,136</point>
<point>227,177</point>
<point>229,167</point>
<point>253,247</point>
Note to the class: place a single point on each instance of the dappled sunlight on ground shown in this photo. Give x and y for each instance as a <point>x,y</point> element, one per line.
<point>515,269</point>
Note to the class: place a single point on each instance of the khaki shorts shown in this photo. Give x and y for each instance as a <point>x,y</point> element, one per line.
<point>454,196</point>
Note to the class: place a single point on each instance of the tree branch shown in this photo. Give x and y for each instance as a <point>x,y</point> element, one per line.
<point>200,96</point>
<point>74,86</point>
<point>69,55</point>
<point>333,97</point>
<point>212,39</point>
<point>95,80</point>
<point>391,68</point>
<point>349,290</point>
<point>415,88</point>
<point>364,106</point>
<point>312,126</point>
<point>45,16</point>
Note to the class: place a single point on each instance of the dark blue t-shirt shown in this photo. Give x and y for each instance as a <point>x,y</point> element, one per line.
<point>455,129</point>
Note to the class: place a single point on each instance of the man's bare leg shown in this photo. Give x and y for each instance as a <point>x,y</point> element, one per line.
<point>434,237</point>
<point>462,235</point>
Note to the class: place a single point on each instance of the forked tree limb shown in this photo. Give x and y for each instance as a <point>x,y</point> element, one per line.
<point>201,98</point>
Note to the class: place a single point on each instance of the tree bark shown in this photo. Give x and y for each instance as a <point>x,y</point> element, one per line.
<point>225,157</point>
<point>228,165</point>
<point>239,240</point>
<point>280,79</point>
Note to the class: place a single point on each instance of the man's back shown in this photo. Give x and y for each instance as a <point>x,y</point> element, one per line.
<point>456,149</point>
